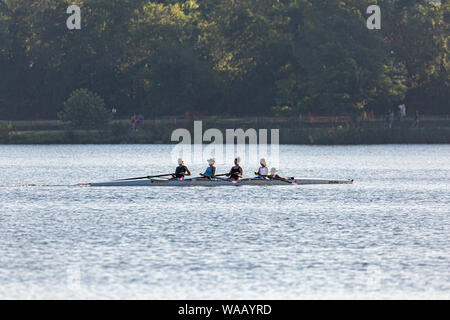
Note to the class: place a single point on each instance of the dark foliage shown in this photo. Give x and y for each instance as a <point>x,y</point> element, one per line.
<point>216,57</point>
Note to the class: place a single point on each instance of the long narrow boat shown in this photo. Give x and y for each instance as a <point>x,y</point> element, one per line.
<point>216,182</point>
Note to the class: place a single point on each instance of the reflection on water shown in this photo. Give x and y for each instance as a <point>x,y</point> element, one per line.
<point>385,236</point>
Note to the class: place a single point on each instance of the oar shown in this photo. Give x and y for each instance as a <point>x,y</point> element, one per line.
<point>199,178</point>
<point>221,175</point>
<point>218,178</point>
<point>235,182</point>
<point>202,176</point>
<point>147,177</point>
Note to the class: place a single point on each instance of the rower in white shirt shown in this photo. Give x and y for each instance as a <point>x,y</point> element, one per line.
<point>263,171</point>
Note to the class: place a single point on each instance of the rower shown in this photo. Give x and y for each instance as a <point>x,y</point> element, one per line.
<point>274,175</point>
<point>263,171</point>
<point>236,171</point>
<point>211,170</point>
<point>181,171</point>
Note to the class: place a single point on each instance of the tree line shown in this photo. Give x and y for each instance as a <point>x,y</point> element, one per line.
<point>224,57</point>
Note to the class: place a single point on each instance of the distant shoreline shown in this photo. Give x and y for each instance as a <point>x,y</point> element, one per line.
<point>315,131</point>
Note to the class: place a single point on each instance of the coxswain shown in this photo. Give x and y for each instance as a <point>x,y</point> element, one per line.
<point>181,171</point>
<point>274,175</point>
<point>236,171</point>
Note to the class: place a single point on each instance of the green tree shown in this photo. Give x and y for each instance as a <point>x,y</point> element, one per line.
<point>85,110</point>
<point>247,48</point>
<point>239,57</point>
<point>337,64</point>
<point>417,32</point>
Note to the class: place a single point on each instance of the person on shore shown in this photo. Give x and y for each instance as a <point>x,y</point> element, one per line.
<point>364,116</point>
<point>310,117</point>
<point>181,171</point>
<point>416,119</point>
<point>236,171</point>
<point>140,122</point>
<point>390,118</point>
<point>210,172</point>
<point>403,111</point>
<point>263,171</point>
<point>133,122</point>
<point>274,175</point>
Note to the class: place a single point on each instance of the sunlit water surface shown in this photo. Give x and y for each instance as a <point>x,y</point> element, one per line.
<point>386,236</point>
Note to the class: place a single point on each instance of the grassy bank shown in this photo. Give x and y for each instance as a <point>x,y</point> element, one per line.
<point>319,131</point>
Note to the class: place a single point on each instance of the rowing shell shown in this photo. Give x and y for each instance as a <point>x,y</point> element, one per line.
<point>213,183</point>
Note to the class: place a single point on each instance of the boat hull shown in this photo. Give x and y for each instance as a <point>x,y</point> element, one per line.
<point>216,183</point>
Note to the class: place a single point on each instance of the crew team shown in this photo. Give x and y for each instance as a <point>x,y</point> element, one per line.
<point>235,173</point>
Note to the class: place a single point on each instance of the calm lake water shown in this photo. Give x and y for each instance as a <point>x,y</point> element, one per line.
<point>386,236</point>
